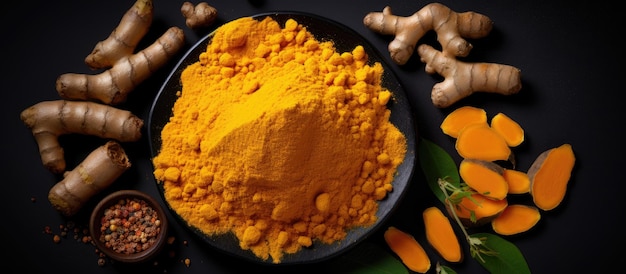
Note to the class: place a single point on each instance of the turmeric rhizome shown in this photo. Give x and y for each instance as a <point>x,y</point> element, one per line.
<point>279,139</point>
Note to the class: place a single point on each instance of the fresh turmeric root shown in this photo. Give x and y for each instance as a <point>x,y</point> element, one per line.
<point>408,249</point>
<point>462,117</point>
<point>516,219</point>
<point>50,119</point>
<point>97,171</point>
<point>484,177</point>
<point>451,28</point>
<point>198,16</point>
<point>477,209</point>
<point>122,41</point>
<point>125,69</point>
<point>518,181</point>
<point>461,79</point>
<point>479,141</point>
<point>441,235</point>
<point>549,176</point>
<point>512,132</point>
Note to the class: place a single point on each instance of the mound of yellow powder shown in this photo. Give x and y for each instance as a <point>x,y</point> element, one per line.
<point>279,139</point>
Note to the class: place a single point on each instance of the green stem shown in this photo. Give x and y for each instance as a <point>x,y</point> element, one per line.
<point>451,207</point>
<point>477,246</point>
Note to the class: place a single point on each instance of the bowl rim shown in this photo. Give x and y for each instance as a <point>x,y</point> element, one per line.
<point>112,199</point>
<point>401,117</point>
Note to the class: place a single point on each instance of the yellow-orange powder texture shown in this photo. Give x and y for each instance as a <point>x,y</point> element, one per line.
<point>279,139</point>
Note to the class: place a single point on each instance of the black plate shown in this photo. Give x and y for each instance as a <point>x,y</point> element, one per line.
<point>345,39</point>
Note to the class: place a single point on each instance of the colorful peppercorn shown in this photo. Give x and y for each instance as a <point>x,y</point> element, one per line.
<point>130,226</point>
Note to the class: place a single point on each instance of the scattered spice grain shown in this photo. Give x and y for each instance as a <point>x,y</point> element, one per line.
<point>171,239</point>
<point>86,239</point>
<point>56,238</point>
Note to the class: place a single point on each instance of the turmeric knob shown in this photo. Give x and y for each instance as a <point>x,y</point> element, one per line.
<point>113,85</point>
<point>451,27</point>
<point>125,69</point>
<point>134,24</point>
<point>96,172</point>
<point>461,79</point>
<point>50,119</point>
<point>200,15</point>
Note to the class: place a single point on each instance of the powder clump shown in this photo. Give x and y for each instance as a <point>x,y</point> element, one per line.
<point>279,139</point>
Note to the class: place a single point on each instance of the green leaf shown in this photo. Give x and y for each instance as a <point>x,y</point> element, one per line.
<point>509,258</point>
<point>442,269</point>
<point>437,164</point>
<point>368,258</point>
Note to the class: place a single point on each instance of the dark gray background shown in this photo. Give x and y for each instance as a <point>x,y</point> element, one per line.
<point>572,84</point>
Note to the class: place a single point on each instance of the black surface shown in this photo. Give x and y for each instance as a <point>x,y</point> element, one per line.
<point>570,59</point>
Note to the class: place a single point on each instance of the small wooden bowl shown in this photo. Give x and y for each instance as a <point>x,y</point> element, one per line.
<point>132,257</point>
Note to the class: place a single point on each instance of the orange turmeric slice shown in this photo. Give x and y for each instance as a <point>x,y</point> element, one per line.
<point>461,117</point>
<point>408,249</point>
<point>478,210</point>
<point>441,236</point>
<point>510,130</point>
<point>516,219</point>
<point>484,177</point>
<point>480,141</point>
<point>518,181</point>
<point>549,176</point>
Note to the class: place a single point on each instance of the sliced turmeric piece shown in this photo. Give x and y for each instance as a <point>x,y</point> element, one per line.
<point>484,177</point>
<point>518,181</point>
<point>408,249</point>
<point>461,117</point>
<point>549,176</point>
<point>480,141</point>
<point>478,210</point>
<point>441,236</point>
<point>516,219</point>
<point>510,130</point>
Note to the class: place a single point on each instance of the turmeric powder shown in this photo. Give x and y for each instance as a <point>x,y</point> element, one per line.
<point>278,138</point>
